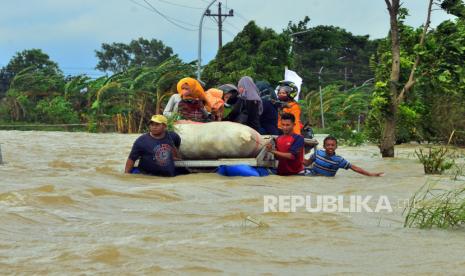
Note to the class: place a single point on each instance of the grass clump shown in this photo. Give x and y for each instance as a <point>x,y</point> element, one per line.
<point>431,207</point>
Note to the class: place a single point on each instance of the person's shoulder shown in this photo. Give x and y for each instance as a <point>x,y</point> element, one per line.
<point>298,137</point>
<point>173,134</point>
<point>143,137</point>
<point>337,157</point>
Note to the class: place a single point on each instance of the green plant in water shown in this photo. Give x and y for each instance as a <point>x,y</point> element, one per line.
<point>430,207</point>
<point>458,171</point>
<point>172,121</point>
<point>435,160</point>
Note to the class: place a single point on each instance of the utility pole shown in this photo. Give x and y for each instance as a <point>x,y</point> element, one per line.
<point>199,49</point>
<point>219,18</point>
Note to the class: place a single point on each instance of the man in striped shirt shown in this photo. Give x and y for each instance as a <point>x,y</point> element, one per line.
<point>326,162</point>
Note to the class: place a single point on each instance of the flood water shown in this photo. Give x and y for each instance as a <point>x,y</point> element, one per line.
<point>67,208</point>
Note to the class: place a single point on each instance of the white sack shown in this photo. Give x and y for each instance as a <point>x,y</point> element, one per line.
<point>217,140</point>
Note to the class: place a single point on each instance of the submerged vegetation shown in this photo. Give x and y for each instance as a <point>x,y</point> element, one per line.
<point>433,207</point>
<point>435,160</point>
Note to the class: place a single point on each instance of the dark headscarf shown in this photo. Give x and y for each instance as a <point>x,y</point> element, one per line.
<point>251,92</point>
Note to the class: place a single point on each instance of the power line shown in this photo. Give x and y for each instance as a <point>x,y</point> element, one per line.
<point>167,18</point>
<point>173,19</point>
<point>180,5</point>
<point>242,17</point>
<point>229,32</point>
<point>170,19</point>
<point>232,25</point>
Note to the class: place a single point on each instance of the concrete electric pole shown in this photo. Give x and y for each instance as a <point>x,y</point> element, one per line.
<point>219,18</point>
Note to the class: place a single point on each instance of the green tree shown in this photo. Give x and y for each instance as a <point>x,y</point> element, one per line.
<point>344,56</point>
<point>56,110</point>
<point>441,86</point>
<point>129,98</point>
<point>256,52</point>
<point>33,59</point>
<point>118,57</point>
<point>40,80</point>
<point>396,91</point>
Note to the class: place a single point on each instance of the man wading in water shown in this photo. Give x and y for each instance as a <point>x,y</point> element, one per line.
<point>289,148</point>
<point>156,150</point>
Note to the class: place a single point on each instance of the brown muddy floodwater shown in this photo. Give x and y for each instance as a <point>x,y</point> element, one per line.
<point>67,208</point>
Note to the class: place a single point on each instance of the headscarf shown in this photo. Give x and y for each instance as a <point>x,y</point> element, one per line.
<point>197,91</point>
<point>251,92</point>
<point>215,97</point>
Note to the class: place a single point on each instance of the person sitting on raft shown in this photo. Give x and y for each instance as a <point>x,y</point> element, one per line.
<point>286,93</point>
<point>249,106</point>
<point>155,150</point>
<point>215,98</point>
<point>229,97</point>
<point>327,162</point>
<point>269,117</point>
<point>172,106</point>
<point>193,100</point>
<point>289,148</point>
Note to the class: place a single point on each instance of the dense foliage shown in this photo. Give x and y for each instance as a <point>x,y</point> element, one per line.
<point>343,57</point>
<point>256,52</point>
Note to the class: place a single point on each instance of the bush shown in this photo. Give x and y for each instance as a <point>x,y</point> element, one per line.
<point>406,126</point>
<point>56,111</point>
<point>436,160</point>
<point>347,135</point>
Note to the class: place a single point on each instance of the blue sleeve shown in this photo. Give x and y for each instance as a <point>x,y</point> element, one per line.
<point>136,151</point>
<point>313,156</point>
<point>297,145</point>
<point>344,164</point>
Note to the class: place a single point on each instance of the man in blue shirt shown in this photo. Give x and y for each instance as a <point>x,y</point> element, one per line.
<point>326,162</point>
<point>156,150</point>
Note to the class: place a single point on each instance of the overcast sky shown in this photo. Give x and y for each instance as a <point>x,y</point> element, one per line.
<point>71,30</point>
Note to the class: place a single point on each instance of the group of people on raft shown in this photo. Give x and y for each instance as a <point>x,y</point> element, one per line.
<point>253,104</point>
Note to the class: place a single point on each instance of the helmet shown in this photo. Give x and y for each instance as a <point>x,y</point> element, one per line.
<point>266,90</point>
<point>229,89</point>
<point>288,86</point>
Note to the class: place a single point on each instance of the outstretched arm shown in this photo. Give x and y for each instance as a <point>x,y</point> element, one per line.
<point>362,171</point>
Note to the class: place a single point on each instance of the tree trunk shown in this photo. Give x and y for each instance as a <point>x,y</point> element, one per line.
<point>388,139</point>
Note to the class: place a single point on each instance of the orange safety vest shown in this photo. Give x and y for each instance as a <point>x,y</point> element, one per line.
<point>294,109</point>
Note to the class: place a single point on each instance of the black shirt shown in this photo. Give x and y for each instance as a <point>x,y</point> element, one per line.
<point>248,109</point>
<point>156,155</point>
